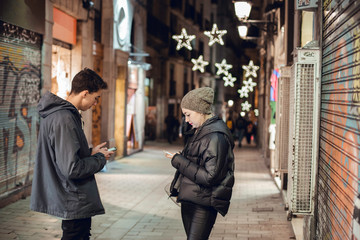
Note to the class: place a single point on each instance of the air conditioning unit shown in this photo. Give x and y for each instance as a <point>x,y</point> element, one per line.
<point>282,124</point>
<point>303,131</point>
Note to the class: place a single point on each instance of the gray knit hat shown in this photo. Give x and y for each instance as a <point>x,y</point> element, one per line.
<point>199,100</point>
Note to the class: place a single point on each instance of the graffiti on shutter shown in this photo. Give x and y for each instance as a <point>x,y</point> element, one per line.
<point>339,153</point>
<point>20,58</point>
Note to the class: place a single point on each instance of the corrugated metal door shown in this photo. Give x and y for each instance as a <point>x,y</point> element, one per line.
<point>20,57</point>
<point>339,157</point>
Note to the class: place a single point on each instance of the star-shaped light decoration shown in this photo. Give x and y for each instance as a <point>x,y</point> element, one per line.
<point>256,111</point>
<point>183,40</point>
<point>199,64</point>
<point>229,80</point>
<point>250,84</point>
<point>244,92</point>
<point>250,69</point>
<point>246,106</point>
<point>223,68</point>
<point>215,35</point>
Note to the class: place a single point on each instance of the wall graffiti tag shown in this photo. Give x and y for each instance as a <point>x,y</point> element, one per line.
<point>17,34</point>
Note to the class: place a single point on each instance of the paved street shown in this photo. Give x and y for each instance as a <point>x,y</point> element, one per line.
<point>137,207</point>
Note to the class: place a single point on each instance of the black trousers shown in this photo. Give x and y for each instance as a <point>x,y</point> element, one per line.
<point>76,229</point>
<point>198,220</point>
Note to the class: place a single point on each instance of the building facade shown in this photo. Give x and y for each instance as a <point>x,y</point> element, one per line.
<point>316,155</point>
<point>43,45</point>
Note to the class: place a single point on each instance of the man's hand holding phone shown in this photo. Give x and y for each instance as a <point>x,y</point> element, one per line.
<point>100,148</point>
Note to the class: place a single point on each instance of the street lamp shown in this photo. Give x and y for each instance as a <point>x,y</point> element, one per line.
<point>242,9</point>
<point>242,29</point>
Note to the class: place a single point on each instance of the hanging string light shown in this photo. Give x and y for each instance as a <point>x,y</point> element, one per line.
<point>229,80</point>
<point>223,67</point>
<point>215,35</point>
<point>183,40</point>
<point>244,92</point>
<point>250,70</point>
<point>246,106</point>
<point>199,64</point>
<point>250,84</point>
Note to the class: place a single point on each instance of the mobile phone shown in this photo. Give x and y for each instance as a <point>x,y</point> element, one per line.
<point>112,149</point>
<point>167,152</point>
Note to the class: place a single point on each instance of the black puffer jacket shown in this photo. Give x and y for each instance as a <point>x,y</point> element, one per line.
<point>205,168</point>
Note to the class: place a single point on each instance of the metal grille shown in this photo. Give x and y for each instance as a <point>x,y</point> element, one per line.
<point>304,136</point>
<point>282,118</point>
<point>303,120</point>
<point>291,139</point>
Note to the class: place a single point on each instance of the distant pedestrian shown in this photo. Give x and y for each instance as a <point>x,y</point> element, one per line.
<point>241,125</point>
<point>185,130</point>
<point>205,168</point>
<point>230,124</point>
<point>172,125</point>
<point>64,184</point>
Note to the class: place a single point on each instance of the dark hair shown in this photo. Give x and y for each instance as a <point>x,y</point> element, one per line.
<point>89,80</point>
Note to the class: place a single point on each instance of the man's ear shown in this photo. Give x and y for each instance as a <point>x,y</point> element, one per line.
<point>84,93</point>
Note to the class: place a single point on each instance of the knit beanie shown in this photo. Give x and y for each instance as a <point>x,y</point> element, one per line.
<point>199,100</point>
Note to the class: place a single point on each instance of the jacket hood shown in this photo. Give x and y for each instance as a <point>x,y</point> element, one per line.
<point>215,124</point>
<point>51,103</point>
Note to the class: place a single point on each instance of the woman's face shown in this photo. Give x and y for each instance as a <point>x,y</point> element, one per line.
<point>195,119</point>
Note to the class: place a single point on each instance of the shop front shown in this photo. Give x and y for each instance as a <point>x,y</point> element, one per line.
<point>21,41</point>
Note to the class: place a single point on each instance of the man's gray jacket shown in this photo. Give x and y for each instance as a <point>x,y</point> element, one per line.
<point>64,184</point>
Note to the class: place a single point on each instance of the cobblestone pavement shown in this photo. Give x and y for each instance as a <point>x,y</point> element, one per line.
<point>137,207</point>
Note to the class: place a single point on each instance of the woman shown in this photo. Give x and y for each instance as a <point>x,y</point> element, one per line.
<point>205,168</point>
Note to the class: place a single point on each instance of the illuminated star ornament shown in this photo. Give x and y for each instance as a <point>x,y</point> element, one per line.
<point>183,40</point>
<point>229,80</point>
<point>223,68</point>
<point>250,84</point>
<point>246,106</point>
<point>199,64</point>
<point>250,69</point>
<point>244,92</point>
<point>215,35</point>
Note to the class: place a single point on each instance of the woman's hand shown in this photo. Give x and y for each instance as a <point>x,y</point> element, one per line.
<point>168,154</point>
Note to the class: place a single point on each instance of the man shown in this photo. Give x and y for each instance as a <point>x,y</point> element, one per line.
<point>64,184</point>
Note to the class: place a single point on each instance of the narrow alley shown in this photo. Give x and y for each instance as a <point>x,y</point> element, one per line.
<point>137,207</point>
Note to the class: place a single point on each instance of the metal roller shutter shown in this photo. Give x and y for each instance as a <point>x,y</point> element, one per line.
<point>20,58</point>
<point>339,151</point>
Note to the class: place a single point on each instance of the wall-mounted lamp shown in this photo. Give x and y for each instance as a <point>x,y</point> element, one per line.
<point>242,9</point>
<point>242,29</point>
<point>88,4</point>
<point>266,26</point>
